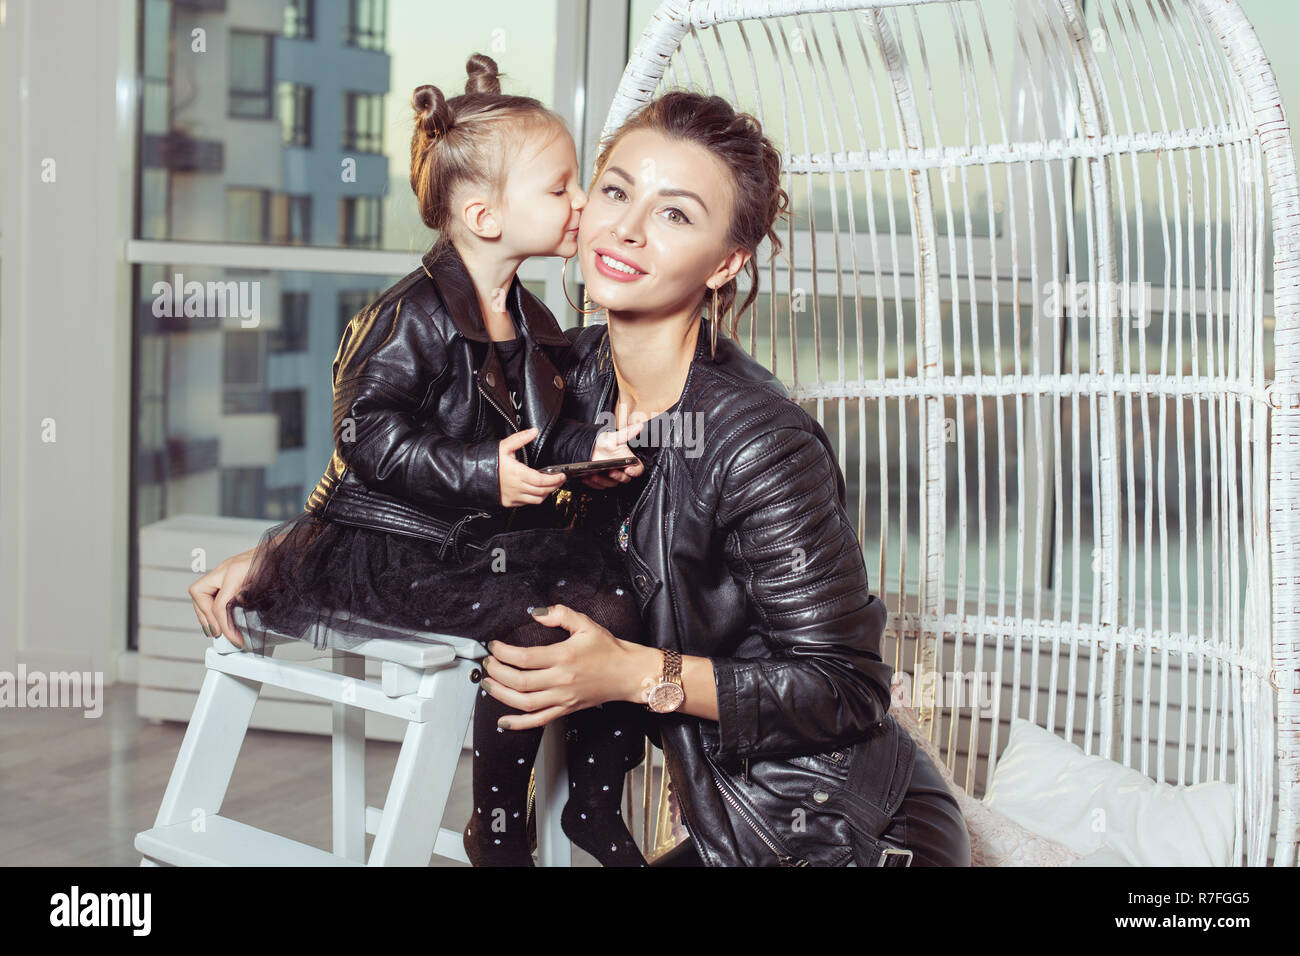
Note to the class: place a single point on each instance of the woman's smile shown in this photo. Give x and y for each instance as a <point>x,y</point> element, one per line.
<point>616,267</point>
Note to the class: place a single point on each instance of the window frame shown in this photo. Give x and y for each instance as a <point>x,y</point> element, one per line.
<point>366,37</point>
<point>304,27</point>
<point>235,94</point>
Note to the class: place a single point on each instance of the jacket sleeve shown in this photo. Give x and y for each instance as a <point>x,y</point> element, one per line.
<point>378,436</point>
<point>569,440</point>
<point>790,546</point>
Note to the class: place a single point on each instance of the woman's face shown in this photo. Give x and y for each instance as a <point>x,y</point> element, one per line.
<point>654,231</point>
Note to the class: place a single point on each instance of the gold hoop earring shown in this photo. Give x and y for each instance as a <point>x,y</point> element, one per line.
<point>564,284</point>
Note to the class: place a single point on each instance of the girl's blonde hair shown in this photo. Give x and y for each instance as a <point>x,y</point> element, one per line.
<point>470,139</point>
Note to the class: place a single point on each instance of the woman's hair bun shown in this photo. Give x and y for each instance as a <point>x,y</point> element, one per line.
<point>432,113</point>
<point>483,76</point>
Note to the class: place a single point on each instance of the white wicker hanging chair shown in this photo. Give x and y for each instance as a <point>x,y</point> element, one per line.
<point>1093,506</point>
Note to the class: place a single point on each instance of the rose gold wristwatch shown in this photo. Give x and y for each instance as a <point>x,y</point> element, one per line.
<point>667,695</point>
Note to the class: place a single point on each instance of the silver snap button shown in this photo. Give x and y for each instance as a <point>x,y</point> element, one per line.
<point>491,380</point>
<point>559,381</point>
<point>821,796</point>
<point>640,580</point>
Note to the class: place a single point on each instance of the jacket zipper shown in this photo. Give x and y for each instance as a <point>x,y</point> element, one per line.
<point>509,421</point>
<point>785,858</point>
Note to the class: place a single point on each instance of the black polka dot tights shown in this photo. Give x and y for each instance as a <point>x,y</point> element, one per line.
<point>601,745</point>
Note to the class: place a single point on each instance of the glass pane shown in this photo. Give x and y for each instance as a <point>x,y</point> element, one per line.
<point>234,391</point>
<point>228,131</point>
<point>248,52</point>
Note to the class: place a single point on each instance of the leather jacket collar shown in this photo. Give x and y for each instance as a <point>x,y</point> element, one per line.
<point>444,265</point>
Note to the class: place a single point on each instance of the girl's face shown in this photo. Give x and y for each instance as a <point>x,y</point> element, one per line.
<point>543,198</point>
<point>654,232</point>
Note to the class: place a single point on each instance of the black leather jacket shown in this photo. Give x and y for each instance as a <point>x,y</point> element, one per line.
<point>741,550</point>
<point>421,403</point>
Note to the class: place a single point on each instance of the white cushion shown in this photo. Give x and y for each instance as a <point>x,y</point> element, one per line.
<point>1089,802</point>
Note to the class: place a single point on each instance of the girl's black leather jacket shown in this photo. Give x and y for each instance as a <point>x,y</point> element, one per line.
<point>741,550</point>
<point>421,403</point>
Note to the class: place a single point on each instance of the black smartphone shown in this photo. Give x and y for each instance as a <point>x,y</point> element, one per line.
<point>576,469</point>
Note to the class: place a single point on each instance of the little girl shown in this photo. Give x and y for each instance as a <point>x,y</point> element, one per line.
<point>383,539</point>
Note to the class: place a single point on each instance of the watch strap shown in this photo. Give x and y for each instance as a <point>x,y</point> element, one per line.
<point>672,667</point>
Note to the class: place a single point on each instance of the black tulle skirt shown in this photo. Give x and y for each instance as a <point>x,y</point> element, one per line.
<point>335,585</point>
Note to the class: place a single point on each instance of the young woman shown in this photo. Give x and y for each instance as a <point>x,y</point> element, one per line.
<point>748,574</point>
<point>764,679</point>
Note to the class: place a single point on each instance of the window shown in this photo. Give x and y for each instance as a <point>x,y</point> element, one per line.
<point>319,68</point>
<point>299,17</point>
<point>360,222</point>
<point>246,214</point>
<point>363,122</point>
<point>250,75</point>
<point>290,220</point>
<point>288,406</point>
<point>295,113</point>
<point>259,215</point>
<point>243,372</point>
<point>243,492</point>
<point>366,25</point>
<point>292,334</point>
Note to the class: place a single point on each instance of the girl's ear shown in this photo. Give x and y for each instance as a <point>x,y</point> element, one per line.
<point>479,219</point>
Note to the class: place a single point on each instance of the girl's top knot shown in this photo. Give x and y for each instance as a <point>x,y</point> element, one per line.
<point>432,112</point>
<point>483,75</point>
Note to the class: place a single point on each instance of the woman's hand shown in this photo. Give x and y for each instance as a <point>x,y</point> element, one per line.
<point>212,593</point>
<point>589,667</point>
<point>613,444</point>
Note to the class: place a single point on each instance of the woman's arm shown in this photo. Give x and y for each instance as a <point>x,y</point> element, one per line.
<point>591,667</point>
<point>645,664</point>
<point>789,544</point>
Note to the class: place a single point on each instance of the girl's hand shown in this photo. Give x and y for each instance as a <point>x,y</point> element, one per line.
<point>589,667</point>
<point>613,444</point>
<point>520,484</point>
<point>212,593</point>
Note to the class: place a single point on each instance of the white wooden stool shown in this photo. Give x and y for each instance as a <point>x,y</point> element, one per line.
<point>430,685</point>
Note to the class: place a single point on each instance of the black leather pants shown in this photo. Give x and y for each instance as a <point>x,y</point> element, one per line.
<point>928,822</point>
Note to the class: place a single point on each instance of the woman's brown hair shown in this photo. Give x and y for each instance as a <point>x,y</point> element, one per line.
<point>737,140</point>
<point>468,139</point>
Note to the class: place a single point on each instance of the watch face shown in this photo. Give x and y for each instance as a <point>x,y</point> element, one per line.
<point>666,697</point>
